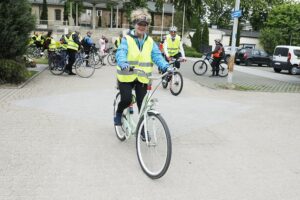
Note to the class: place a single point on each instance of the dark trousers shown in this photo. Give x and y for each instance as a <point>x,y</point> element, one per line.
<point>215,66</point>
<point>177,63</point>
<point>126,94</point>
<point>72,58</point>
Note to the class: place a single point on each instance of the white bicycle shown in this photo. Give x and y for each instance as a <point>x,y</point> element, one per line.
<point>153,140</point>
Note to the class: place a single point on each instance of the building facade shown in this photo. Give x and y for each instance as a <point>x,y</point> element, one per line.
<point>103,17</point>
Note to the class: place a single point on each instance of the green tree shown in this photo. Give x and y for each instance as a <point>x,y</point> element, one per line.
<point>205,38</point>
<point>133,4</point>
<point>44,14</point>
<point>196,39</point>
<point>15,27</point>
<point>67,9</point>
<point>283,19</point>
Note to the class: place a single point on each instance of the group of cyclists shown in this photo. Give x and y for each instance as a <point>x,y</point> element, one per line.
<point>69,44</point>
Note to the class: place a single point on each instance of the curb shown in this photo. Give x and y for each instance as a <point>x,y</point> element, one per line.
<point>27,81</point>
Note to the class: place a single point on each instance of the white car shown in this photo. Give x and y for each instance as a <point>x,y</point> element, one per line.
<point>227,50</point>
<point>286,58</point>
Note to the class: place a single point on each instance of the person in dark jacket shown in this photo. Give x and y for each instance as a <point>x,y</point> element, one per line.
<point>72,48</point>
<point>217,55</point>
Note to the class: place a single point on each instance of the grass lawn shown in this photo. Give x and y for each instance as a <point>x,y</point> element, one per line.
<point>41,60</point>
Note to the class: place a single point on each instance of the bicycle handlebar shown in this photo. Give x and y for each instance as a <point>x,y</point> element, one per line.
<point>133,69</point>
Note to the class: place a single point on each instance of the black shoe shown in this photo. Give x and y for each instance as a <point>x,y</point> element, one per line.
<point>212,75</point>
<point>71,73</point>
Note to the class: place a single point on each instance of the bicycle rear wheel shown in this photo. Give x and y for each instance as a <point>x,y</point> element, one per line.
<point>111,59</point>
<point>154,154</point>
<point>223,71</point>
<point>119,129</point>
<point>176,83</point>
<point>84,68</point>
<point>200,67</point>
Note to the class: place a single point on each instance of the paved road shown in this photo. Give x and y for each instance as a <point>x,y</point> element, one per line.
<point>247,78</point>
<point>57,143</point>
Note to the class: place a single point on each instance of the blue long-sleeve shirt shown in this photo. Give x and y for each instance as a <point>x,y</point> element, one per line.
<point>88,40</point>
<point>156,55</point>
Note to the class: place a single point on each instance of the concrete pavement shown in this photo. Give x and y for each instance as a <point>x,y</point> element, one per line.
<point>57,142</point>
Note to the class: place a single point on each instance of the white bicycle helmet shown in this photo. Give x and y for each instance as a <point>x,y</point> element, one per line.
<point>173,29</point>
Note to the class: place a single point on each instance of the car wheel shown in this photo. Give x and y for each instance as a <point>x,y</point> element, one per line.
<point>277,70</point>
<point>293,70</point>
<point>236,62</point>
<point>260,65</point>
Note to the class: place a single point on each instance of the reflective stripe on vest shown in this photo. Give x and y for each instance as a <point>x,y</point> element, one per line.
<point>71,43</point>
<point>173,46</point>
<point>139,59</point>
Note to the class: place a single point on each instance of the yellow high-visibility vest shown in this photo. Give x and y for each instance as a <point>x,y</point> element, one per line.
<point>173,46</point>
<point>52,45</point>
<point>71,43</point>
<point>139,59</point>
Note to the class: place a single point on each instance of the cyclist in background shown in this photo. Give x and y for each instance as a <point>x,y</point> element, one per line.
<point>139,50</point>
<point>173,47</point>
<point>217,54</point>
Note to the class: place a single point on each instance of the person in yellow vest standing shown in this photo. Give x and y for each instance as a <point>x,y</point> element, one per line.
<point>137,49</point>
<point>173,47</point>
<point>72,48</point>
<point>50,45</point>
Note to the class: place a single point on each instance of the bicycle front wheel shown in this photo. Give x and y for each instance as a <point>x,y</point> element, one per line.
<point>55,66</point>
<point>223,71</point>
<point>154,154</point>
<point>119,129</point>
<point>97,60</point>
<point>176,83</point>
<point>111,59</point>
<point>200,67</point>
<point>84,68</point>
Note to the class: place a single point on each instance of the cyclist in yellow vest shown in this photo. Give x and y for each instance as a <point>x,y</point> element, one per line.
<point>139,50</point>
<point>118,41</point>
<point>50,45</point>
<point>72,48</point>
<point>173,46</point>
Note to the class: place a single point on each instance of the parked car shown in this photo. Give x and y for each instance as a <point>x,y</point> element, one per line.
<point>286,58</point>
<point>252,56</point>
<point>227,50</point>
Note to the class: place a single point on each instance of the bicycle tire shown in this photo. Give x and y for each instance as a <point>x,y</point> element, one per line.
<point>223,71</point>
<point>176,80</point>
<point>84,69</point>
<point>119,129</point>
<point>199,67</point>
<point>54,67</point>
<point>111,59</point>
<point>149,168</point>
<point>97,59</point>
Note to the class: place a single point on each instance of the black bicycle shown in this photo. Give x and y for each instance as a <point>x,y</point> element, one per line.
<point>174,79</point>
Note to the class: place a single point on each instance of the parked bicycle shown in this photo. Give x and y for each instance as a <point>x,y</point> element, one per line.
<point>154,154</point>
<point>36,52</point>
<point>84,67</point>
<point>200,66</point>
<point>175,79</point>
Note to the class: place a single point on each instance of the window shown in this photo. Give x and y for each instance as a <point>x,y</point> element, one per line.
<point>281,51</point>
<point>297,52</point>
<point>57,14</point>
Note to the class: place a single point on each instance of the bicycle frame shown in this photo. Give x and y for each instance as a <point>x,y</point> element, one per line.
<point>148,104</point>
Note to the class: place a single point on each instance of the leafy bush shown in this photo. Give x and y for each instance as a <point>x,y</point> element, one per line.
<point>16,23</point>
<point>12,71</point>
<point>191,52</point>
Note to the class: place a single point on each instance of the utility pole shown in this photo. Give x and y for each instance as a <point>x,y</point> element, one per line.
<point>162,21</point>
<point>183,20</point>
<point>235,15</point>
